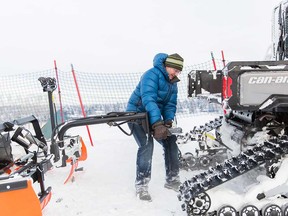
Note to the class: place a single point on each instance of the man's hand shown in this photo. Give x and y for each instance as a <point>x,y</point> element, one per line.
<point>160,131</point>
<point>169,123</point>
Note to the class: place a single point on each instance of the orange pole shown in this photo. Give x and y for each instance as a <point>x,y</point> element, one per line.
<point>223,59</point>
<point>213,60</point>
<point>81,104</point>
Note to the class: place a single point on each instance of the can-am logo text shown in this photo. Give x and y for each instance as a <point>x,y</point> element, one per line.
<point>268,80</point>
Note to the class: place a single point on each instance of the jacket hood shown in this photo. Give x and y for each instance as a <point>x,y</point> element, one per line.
<point>158,62</point>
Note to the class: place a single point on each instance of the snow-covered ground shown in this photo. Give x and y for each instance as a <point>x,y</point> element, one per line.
<point>106,186</point>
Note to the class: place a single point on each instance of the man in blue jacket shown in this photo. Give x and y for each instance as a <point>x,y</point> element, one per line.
<point>156,94</point>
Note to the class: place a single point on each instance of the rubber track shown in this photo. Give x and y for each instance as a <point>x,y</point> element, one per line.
<point>230,169</point>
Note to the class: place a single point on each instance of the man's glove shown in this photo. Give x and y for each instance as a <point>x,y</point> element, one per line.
<point>168,123</point>
<point>160,131</point>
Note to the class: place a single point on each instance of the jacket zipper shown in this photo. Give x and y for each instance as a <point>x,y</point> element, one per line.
<point>167,98</point>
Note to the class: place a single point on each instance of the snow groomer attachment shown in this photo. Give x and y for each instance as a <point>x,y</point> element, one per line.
<point>210,150</point>
<point>71,151</point>
<point>23,162</point>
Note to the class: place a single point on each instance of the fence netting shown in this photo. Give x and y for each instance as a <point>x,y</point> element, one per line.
<point>22,95</point>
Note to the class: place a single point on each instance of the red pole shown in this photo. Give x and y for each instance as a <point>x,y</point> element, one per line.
<point>223,59</point>
<point>59,92</point>
<point>213,60</point>
<point>81,104</point>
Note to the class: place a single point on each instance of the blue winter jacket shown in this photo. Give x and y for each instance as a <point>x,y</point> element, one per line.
<point>155,93</point>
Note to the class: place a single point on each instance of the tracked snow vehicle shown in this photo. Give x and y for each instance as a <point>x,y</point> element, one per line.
<point>255,101</point>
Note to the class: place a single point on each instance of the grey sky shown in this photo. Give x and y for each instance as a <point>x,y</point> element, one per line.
<point>124,35</point>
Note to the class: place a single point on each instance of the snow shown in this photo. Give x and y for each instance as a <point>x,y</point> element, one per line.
<point>106,186</point>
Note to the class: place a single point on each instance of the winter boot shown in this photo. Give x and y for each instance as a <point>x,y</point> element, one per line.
<point>143,194</point>
<point>173,185</point>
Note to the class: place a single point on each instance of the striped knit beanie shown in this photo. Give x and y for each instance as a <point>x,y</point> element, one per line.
<point>174,61</point>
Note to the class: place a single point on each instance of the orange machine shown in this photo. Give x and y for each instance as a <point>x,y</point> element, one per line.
<point>17,195</point>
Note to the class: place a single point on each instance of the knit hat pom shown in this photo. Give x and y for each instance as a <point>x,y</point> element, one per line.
<point>174,61</point>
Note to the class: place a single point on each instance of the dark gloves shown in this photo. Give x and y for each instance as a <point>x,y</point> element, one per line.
<point>168,123</point>
<point>160,131</point>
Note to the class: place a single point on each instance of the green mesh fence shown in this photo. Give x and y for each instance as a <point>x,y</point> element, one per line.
<point>22,95</point>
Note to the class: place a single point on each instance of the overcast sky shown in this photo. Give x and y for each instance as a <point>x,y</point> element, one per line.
<point>124,35</point>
